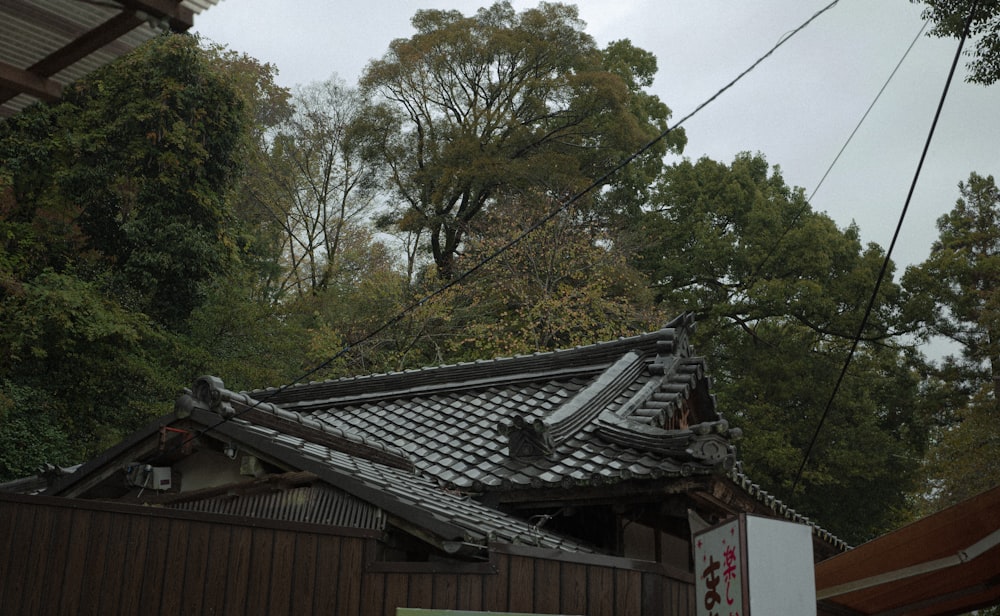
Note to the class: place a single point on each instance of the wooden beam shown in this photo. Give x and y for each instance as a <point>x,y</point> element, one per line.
<point>87,43</point>
<point>14,81</point>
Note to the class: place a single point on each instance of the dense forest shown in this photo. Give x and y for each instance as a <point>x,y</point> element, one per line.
<point>178,214</point>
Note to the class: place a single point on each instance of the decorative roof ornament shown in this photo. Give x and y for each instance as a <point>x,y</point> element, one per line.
<point>208,393</point>
<point>527,438</point>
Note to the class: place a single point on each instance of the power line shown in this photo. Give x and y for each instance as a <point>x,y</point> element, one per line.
<point>867,111</point>
<point>888,254</point>
<point>510,244</point>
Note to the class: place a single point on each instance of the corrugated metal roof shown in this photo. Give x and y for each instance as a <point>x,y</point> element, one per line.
<point>47,44</point>
<point>314,504</point>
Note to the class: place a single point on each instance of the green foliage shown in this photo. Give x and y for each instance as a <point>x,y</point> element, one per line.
<point>564,285</point>
<point>133,164</point>
<point>778,291</point>
<point>81,369</point>
<point>965,458</point>
<point>340,322</point>
<point>950,17</point>
<point>954,294</point>
<point>30,433</point>
<point>500,102</point>
<point>112,224</point>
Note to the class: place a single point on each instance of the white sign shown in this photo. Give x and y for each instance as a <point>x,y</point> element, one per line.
<point>719,570</point>
<point>754,566</point>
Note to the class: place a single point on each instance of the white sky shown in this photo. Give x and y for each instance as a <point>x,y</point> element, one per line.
<point>797,108</point>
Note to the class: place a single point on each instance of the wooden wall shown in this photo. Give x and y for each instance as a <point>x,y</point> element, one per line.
<point>66,556</point>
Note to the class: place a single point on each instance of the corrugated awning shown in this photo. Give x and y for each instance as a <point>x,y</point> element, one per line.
<point>947,563</point>
<point>47,44</point>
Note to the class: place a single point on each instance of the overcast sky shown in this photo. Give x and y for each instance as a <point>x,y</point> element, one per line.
<point>798,108</point>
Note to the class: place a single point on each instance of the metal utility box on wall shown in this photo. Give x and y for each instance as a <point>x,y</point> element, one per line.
<point>161,478</point>
<point>754,566</point>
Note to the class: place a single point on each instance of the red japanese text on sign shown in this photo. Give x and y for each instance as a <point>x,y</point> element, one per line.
<point>718,568</point>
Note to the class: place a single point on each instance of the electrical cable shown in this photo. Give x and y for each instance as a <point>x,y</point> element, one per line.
<point>510,244</point>
<point>867,111</point>
<point>888,254</point>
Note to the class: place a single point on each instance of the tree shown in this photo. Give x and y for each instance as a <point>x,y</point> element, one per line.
<point>113,222</point>
<point>954,294</point>
<point>313,186</point>
<point>80,372</point>
<point>564,285</point>
<point>152,148</point>
<point>779,292</point>
<point>983,16</point>
<point>471,106</point>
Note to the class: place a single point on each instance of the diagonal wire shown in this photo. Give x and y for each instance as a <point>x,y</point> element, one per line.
<point>867,111</point>
<point>888,254</point>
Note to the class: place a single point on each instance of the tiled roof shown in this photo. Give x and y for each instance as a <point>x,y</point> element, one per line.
<point>592,415</point>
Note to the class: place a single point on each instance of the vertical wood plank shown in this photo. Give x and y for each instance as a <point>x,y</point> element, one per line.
<point>157,542</point>
<point>80,561</point>
<point>196,557</point>
<point>59,548</point>
<point>113,581</point>
<point>372,593</point>
<point>259,579</point>
<point>327,572</point>
<point>79,537</point>
<point>282,566</point>
<point>12,513</point>
<point>397,586</point>
<point>652,593</point>
<point>470,592</point>
<point>628,592</point>
<point>94,563</point>
<point>176,550</point>
<point>686,603</point>
<point>521,587</point>
<point>445,587</point>
<point>600,591</point>
<point>304,565</point>
<point>496,588</point>
<point>215,583</point>
<point>238,571</point>
<point>19,548</point>
<point>547,588</point>
<point>351,577</point>
<point>134,565</point>
<point>573,589</point>
<point>37,560</point>
<point>421,591</point>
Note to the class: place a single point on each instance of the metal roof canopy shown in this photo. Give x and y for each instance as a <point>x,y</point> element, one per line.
<point>48,44</point>
<point>947,563</point>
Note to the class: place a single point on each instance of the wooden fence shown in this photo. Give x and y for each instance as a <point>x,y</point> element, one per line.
<point>68,556</point>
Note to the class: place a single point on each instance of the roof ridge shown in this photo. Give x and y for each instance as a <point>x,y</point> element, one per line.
<point>591,356</point>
